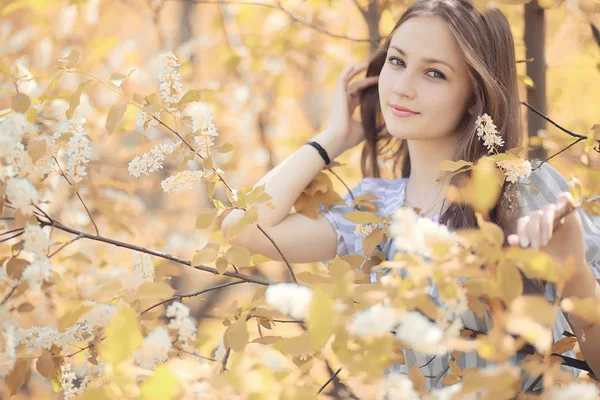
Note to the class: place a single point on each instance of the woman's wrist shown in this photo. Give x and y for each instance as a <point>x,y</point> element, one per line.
<point>330,142</point>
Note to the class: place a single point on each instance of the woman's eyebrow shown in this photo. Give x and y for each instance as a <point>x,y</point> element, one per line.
<point>427,60</point>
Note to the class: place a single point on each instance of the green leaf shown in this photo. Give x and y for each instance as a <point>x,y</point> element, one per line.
<point>206,255</point>
<point>320,318</point>
<point>205,220</point>
<point>238,256</point>
<point>115,114</point>
<point>76,98</point>
<point>117,79</point>
<point>448,165</point>
<point>163,384</point>
<point>122,336</point>
<point>190,96</point>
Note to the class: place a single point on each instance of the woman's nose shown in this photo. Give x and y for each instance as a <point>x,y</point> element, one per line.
<point>404,84</point>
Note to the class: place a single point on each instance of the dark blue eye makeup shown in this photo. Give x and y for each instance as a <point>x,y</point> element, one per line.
<point>437,74</point>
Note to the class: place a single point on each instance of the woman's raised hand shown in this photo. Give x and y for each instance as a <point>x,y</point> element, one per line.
<point>345,100</point>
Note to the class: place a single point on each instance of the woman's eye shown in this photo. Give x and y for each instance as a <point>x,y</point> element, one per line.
<point>439,74</point>
<point>390,59</point>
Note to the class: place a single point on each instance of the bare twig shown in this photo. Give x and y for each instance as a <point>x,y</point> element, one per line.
<point>8,295</point>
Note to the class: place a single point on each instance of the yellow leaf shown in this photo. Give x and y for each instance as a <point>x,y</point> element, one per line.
<point>205,220</point>
<point>588,308</point>
<point>17,376</point>
<point>294,345</point>
<point>76,98</point>
<point>122,336</point>
<point>95,393</point>
<point>249,217</point>
<point>563,345</point>
<point>371,241</point>
<point>221,264</point>
<point>534,307</point>
<point>481,286</point>
<point>208,254</point>
<point>15,267</point>
<point>320,318</point>
<point>72,316</point>
<point>46,366</point>
<point>236,335</point>
<point>115,114</point>
<point>21,103</point>
<point>448,165</point>
<point>510,283</point>
<point>37,149</point>
<point>491,231</point>
<point>117,78</point>
<point>417,377</point>
<point>155,290</point>
<point>238,256</point>
<point>162,385</point>
<point>362,217</point>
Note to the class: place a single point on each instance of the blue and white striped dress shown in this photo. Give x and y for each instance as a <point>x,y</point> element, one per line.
<point>391,194</point>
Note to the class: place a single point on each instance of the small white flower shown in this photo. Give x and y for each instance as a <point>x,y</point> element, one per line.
<point>486,130</point>
<point>414,234</point>
<point>417,331</point>
<point>289,298</point>
<point>67,378</point>
<point>184,179</point>
<point>374,321</point>
<point>9,344</point>
<point>37,272</point>
<point>515,169</point>
<point>21,193</point>
<point>151,160</point>
<point>363,230</point>
<point>155,348</point>
<point>181,321</point>
<point>35,240</point>
<point>575,391</point>
<point>397,386</point>
<point>78,153</point>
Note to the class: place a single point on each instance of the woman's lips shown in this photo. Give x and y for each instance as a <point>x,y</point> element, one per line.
<point>402,113</point>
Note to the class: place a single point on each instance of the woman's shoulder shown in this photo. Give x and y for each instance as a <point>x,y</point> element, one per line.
<point>384,189</point>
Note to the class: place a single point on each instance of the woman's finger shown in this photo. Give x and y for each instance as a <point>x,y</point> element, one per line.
<point>522,232</point>
<point>533,228</point>
<point>547,223</point>
<point>356,87</point>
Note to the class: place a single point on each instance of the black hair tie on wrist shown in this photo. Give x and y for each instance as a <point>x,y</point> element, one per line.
<point>321,151</point>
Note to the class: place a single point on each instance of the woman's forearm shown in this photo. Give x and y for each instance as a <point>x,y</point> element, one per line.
<point>286,181</point>
<point>584,285</point>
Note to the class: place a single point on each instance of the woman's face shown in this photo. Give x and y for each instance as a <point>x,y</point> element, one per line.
<point>425,72</point>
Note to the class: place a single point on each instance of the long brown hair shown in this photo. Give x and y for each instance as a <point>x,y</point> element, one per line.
<point>487,44</point>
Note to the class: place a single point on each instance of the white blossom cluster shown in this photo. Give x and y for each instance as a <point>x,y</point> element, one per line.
<point>181,321</point>
<point>414,234</point>
<point>13,126</point>
<point>202,119</point>
<point>155,348</point>
<point>35,240</point>
<point>204,143</point>
<point>151,160</point>
<point>289,298</point>
<point>515,169</point>
<point>377,320</point>
<point>486,130</point>
<point>9,345</point>
<point>170,80</point>
<point>145,120</point>
<point>363,230</point>
<point>37,272</point>
<point>143,270</point>
<point>397,386</point>
<point>418,331</point>
<point>45,337</point>
<point>575,391</point>
<point>67,377</point>
<point>186,180</point>
<point>22,194</point>
<point>79,153</point>
<point>100,315</point>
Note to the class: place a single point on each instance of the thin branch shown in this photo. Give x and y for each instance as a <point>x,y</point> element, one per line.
<point>557,153</point>
<point>225,358</point>
<point>155,253</point>
<point>287,263</point>
<point>12,237</point>
<point>330,380</point>
<point>291,14</point>
<point>182,296</point>
<point>65,245</point>
<point>8,295</point>
<point>14,230</point>
<point>575,135</point>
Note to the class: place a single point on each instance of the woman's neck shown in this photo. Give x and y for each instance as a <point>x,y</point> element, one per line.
<point>422,188</point>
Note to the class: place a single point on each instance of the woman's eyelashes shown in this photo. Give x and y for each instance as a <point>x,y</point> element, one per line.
<point>435,71</point>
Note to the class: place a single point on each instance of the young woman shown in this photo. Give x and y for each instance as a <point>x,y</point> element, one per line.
<point>444,64</point>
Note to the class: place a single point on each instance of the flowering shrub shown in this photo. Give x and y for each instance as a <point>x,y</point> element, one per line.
<point>93,315</point>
